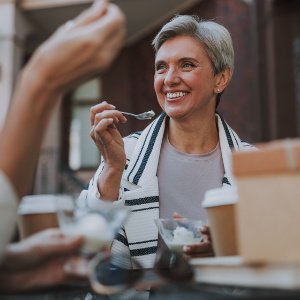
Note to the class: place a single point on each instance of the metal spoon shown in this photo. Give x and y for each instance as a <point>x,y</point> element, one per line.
<point>143,116</point>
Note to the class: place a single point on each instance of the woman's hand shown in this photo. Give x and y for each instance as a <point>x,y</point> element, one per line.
<point>109,141</point>
<point>106,136</point>
<point>201,249</point>
<point>81,48</point>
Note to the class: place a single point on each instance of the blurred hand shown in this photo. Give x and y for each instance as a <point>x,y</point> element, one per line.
<point>38,261</point>
<point>176,215</point>
<point>201,249</point>
<point>39,247</point>
<point>81,48</point>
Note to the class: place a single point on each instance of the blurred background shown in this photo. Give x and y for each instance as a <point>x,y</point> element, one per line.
<point>262,102</point>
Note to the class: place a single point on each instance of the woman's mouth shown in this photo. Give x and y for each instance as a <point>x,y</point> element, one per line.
<point>175,95</point>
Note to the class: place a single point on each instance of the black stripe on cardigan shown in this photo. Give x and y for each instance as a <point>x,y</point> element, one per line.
<point>246,144</point>
<point>236,141</point>
<point>140,201</point>
<point>148,241</point>
<point>127,163</point>
<point>149,149</point>
<point>135,135</point>
<point>229,139</point>
<point>226,181</point>
<point>142,209</point>
<point>140,152</point>
<point>120,238</point>
<point>143,251</point>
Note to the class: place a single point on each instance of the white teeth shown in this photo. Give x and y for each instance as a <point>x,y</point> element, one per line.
<point>175,95</point>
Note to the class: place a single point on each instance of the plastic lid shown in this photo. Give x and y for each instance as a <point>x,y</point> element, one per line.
<point>220,196</point>
<point>34,204</point>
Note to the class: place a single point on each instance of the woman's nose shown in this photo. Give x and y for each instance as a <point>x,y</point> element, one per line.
<point>172,77</point>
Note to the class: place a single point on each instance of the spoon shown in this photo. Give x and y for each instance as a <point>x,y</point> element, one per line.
<point>143,116</point>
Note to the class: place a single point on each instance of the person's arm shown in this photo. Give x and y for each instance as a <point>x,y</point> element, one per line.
<point>77,51</point>
<point>8,209</point>
<point>108,139</point>
<point>23,132</point>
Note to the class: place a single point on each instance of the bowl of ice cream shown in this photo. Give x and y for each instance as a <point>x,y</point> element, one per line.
<point>177,233</point>
<point>98,226</point>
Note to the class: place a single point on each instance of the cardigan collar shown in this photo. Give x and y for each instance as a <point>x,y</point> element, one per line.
<point>147,151</point>
<point>140,185</point>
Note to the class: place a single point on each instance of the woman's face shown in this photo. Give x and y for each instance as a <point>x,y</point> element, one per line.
<point>184,80</point>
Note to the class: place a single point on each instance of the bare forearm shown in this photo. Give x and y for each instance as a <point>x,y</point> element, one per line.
<point>25,126</point>
<point>72,54</point>
<point>109,184</point>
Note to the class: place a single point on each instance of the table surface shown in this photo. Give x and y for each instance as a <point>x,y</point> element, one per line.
<point>169,291</point>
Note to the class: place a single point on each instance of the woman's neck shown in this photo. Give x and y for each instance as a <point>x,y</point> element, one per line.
<point>193,137</point>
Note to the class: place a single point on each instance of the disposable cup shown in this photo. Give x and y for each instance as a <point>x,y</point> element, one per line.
<point>220,205</point>
<point>39,212</point>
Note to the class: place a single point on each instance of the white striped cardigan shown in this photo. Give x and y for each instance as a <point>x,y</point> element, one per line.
<point>139,188</point>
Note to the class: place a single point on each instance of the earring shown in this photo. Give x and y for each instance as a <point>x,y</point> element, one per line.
<point>218,91</point>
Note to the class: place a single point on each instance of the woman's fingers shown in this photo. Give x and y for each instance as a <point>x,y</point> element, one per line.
<point>117,116</point>
<point>112,21</point>
<point>88,16</point>
<point>104,130</point>
<point>77,266</point>
<point>111,48</point>
<point>200,247</point>
<point>199,250</point>
<point>176,215</point>
<point>99,31</point>
<point>103,118</point>
<point>96,109</point>
<point>105,37</point>
<point>105,110</point>
<point>92,14</point>
<point>51,242</point>
<point>205,231</point>
<point>198,255</point>
<point>99,132</point>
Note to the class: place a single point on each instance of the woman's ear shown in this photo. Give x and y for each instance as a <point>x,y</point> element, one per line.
<point>222,80</point>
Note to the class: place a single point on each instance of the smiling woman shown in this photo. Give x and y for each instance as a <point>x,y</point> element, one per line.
<point>183,153</point>
<point>186,85</point>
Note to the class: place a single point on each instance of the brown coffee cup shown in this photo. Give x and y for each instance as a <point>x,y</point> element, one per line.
<point>39,212</point>
<point>220,206</point>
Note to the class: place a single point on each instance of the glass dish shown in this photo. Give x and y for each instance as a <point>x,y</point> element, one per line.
<point>177,233</point>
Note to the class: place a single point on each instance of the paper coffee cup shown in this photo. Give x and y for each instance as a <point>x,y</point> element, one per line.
<point>220,206</point>
<point>39,212</point>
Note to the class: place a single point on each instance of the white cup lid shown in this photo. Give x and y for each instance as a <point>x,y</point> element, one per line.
<point>220,196</point>
<point>34,204</point>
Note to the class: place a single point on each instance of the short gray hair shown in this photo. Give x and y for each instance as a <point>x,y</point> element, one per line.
<point>214,37</point>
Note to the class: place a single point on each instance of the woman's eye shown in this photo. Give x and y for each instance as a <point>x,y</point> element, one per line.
<point>160,68</point>
<point>187,65</point>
